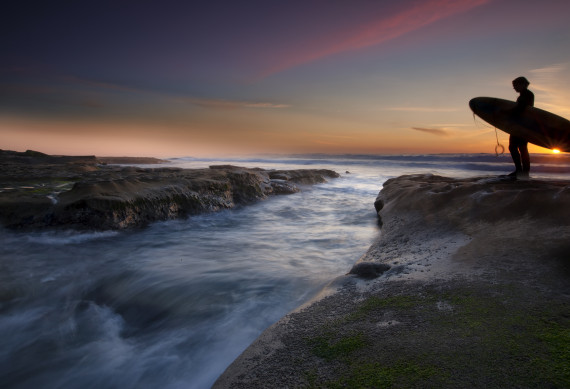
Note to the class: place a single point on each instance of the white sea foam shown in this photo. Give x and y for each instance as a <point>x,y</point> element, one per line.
<point>69,237</point>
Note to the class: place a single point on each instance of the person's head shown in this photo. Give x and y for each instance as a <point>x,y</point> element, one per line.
<point>520,84</point>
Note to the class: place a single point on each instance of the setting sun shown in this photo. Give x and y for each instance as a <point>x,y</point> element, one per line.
<point>556,151</point>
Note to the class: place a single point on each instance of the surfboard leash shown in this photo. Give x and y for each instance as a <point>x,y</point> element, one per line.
<point>497,153</point>
<point>498,146</point>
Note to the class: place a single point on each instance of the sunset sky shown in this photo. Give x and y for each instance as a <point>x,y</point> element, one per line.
<point>219,78</point>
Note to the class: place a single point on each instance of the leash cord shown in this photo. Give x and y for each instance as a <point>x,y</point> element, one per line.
<point>502,148</point>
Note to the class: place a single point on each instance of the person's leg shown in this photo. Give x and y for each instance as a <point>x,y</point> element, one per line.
<point>514,149</point>
<point>525,157</point>
<point>525,161</point>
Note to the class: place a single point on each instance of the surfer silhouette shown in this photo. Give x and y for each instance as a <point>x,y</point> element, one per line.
<point>518,146</point>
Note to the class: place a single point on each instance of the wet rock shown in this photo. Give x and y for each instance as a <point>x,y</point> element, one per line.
<point>476,199</point>
<point>479,234</point>
<point>304,176</point>
<point>284,187</point>
<point>369,270</point>
<point>378,204</point>
<point>129,160</point>
<point>39,191</point>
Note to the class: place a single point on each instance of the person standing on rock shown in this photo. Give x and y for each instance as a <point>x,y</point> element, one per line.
<point>519,146</point>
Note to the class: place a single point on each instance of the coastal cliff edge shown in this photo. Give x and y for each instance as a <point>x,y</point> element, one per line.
<point>467,285</point>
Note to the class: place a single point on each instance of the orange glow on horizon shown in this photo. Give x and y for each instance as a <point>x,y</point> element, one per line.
<point>289,135</point>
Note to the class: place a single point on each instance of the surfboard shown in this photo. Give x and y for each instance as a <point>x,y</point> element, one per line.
<point>535,125</point>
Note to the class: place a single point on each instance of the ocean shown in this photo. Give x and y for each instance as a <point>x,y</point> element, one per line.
<point>173,304</point>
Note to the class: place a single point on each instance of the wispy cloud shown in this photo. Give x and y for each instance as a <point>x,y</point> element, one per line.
<point>99,84</point>
<point>92,103</point>
<point>432,131</point>
<point>229,104</point>
<point>416,16</point>
<point>420,109</point>
<point>75,89</point>
<point>548,70</point>
<point>200,102</point>
<point>47,95</point>
<point>265,105</point>
<point>553,87</point>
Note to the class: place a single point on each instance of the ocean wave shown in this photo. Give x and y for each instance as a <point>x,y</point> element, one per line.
<point>68,237</point>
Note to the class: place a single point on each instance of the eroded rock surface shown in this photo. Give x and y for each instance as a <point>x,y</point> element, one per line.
<point>39,191</point>
<point>467,285</point>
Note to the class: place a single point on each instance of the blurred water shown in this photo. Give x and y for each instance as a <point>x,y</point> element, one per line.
<point>172,305</point>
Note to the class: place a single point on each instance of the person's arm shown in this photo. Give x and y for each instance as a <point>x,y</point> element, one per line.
<point>526,99</point>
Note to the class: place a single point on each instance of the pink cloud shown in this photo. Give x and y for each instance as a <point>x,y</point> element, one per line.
<point>416,16</point>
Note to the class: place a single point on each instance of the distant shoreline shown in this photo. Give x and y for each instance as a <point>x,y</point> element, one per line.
<point>37,157</point>
<point>131,160</point>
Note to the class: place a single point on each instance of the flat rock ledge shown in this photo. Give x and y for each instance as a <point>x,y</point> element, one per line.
<point>467,286</point>
<point>41,191</point>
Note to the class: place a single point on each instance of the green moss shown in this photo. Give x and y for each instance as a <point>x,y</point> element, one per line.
<point>513,344</point>
<point>374,375</point>
<point>329,348</point>
<point>479,337</point>
<point>311,377</point>
<point>40,191</point>
<point>557,362</point>
<point>375,303</point>
<point>44,188</point>
<point>392,301</point>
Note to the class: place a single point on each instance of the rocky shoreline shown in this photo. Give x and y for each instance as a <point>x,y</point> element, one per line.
<point>466,286</point>
<point>40,191</point>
